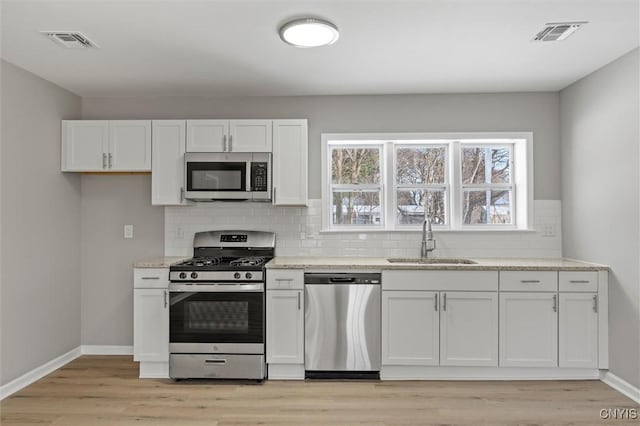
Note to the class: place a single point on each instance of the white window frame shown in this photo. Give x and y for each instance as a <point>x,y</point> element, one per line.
<point>521,172</point>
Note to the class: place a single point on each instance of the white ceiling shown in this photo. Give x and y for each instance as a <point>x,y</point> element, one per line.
<point>232,48</point>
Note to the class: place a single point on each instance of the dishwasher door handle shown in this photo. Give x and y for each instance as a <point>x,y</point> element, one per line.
<point>342,279</point>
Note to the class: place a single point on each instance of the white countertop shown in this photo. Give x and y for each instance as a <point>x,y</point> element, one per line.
<point>159,262</point>
<point>380,263</point>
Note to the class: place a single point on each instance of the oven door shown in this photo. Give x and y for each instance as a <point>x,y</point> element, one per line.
<point>216,322</point>
<point>210,176</point>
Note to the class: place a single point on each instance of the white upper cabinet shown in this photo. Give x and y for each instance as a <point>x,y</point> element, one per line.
<point>84,145</point>
<point>104,146</point>
<point>129,145</point>
<point>229,135</point>
<point>167,170</point>
<point>290,161</point>
<point>207,135</point>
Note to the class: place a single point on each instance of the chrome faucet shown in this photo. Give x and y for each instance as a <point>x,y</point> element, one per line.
<point>428,242</point>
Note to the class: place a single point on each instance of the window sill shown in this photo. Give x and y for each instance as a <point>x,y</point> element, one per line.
<point>435,231</point>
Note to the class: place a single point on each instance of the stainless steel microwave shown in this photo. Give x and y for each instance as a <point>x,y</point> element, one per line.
<point>227,176</point>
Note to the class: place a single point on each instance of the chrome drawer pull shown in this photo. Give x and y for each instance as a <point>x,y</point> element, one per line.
<point>150,278</point>
<point>444,302</point>
<point>215,361</point>
<point>579,281</point>
<point>436,304</point>
<point>530,281</point>
<point>595,303</point>
<point>298,300</point>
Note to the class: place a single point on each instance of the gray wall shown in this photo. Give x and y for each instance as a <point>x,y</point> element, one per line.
<point>601,194</point>
<point>537,112</point>
<point>108,203</point>
<point>40,294</point>
<point>106,297</point>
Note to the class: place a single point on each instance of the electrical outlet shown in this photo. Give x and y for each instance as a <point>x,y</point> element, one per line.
<point>128,231</point>
<point>548,230</point>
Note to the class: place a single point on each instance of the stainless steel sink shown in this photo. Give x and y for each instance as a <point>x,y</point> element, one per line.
<point>433,260</point>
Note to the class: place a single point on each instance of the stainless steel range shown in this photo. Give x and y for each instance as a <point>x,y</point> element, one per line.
<point>217,307</point>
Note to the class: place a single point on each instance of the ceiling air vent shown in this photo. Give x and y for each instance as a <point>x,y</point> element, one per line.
<point>70,39</point>
<point>558,31</point>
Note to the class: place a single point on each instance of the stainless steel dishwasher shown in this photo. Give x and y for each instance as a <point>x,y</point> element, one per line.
<point>342,325</point>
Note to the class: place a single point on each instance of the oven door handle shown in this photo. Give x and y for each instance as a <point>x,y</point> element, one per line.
<point>217,288</point>
<point>248,181</point>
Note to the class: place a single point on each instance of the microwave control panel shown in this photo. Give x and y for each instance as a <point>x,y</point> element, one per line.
<point>259,176</point>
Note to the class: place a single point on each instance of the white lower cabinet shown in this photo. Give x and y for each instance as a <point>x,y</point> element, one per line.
<point>285,324</point>
<point>151,325</point>
<point>285,327</point>
<point>410,328</point>
<point>469,328</point>
<point>426,328</point>
<point>578,330</point>
<point>528,329</point>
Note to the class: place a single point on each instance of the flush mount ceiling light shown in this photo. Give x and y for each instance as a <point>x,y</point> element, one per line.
<point>309,32</point>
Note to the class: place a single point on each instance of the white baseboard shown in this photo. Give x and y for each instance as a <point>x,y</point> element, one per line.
<point>401,372</point>
<point>106,350</point>
<point>38,373</point>
<point>622,386</point>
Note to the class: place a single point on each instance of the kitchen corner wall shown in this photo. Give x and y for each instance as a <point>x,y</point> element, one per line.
<point>601,194</point>
<point>298,233</point>
<point>40,272</point>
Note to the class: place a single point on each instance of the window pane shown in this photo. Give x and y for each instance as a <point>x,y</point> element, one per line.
<point>410,208</point>
<point>418,165</point>
<point>355,166</point>
<point>474,165</point>
<point>356,208</point>
<point>486,207</point>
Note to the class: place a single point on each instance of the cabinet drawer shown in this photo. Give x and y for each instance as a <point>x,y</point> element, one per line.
<point>530,281</point>
<point>578,281</point>
<point>151,278</point>
<point>285,279</point>
<point>440,280</point>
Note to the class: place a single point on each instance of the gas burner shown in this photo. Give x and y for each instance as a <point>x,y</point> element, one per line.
<point>248,261</point>
<point>202,261</point>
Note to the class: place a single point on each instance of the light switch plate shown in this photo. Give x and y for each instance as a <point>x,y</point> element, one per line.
<point>128,231</point>
<point>548,230</point>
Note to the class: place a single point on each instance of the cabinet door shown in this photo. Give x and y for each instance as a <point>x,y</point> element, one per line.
<point>285,327</point>
<point>250,136</point>
<point>129,145</point>
<point>167,170</point>
<point>578,328</point>
<point>290,176</point>
<point>84,145</point>
<point>410,327</point>
<point>469,328</point>
<point>151,325</point>
<point>207,135</point>
<point>528,329</point>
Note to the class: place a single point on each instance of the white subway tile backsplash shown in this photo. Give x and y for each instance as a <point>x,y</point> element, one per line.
<point>298,233</point>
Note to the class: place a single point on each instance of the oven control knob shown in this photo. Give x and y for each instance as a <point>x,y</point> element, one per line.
<point>248,275</point>
<point>183,275</point>
<point>236,275</point>
<point>194,275</point>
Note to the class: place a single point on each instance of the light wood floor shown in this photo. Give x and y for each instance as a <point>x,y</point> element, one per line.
<point>105,390</point>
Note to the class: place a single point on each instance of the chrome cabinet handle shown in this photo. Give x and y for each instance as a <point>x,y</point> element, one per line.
<point>579,281</point>
<point>110,159</point>
<point>104,160</point>
<point>215,361</point>
<point>150,278</point>
<point>224,142</point>
<point>595,303</point>
<point>444,301</point>
<point>230,143</point>
<point>436,302</point>
<point>298,300</point>
<point>274,195</point>
<point>181,194</point>
<point>530,281</point>
<point>165,298</point>
<point>555,303</point>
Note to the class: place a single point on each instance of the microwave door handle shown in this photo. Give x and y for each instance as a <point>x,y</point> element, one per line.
<point>248,181</point>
